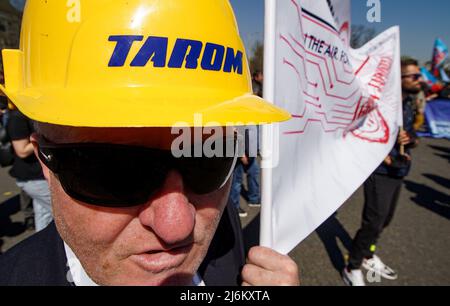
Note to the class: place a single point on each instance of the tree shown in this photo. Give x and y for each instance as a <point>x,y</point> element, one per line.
<point>361,35</point>
<point>257,59</point>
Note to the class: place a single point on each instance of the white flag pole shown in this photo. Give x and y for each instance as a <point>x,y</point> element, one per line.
<point>267,130</point>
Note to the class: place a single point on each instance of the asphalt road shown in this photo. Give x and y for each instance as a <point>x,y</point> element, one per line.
<point>417,244</point>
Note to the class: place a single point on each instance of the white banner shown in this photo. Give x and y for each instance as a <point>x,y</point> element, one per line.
<point>346,108</point>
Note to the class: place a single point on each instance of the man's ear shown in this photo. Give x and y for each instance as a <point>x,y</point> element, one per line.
<point>34,140</point>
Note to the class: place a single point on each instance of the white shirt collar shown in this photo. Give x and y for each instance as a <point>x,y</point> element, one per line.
<point>76,274</point>
<point>79,277</point>
<point>198,281</point>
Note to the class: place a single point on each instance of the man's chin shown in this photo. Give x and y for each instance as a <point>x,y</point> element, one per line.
<point>172,277</point>
<point>177,279</point>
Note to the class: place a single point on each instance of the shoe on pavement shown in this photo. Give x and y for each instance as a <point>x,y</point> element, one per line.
<point>242,213</point>
<point>375,264</point>
<point>353,278</point>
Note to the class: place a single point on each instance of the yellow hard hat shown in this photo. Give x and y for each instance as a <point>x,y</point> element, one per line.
<point>132,63</point>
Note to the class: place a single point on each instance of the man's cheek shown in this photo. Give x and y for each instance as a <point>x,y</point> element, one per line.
<point>82,221</point>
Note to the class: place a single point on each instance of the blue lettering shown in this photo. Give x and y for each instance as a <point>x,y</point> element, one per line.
<point>154,49</point>
<point>185,53</point>
<point>233,62</point>
<point>186,50</point>
<point>123,46</point>
<point>213,57</point>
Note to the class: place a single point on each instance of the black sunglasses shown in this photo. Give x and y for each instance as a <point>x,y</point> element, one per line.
<point>114,175</point>
<point>415,76</point>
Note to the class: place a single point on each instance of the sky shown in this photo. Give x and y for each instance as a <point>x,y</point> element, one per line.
<point>420,21</point>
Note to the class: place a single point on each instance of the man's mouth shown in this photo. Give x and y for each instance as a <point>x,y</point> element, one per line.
<point>157,261</point>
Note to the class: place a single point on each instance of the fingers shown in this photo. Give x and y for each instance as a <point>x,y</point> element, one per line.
<point>388,161</point>
<point>403,138</point>
<point>267,258</point>
<point>408,157</point>
<point>265,267</point>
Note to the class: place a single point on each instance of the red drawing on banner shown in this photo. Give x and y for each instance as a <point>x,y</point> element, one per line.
<point>322,104</point>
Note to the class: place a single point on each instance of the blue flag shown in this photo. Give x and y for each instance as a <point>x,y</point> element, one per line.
<point>440,54</point>
<point>428,77</point>
<point>444,76</point>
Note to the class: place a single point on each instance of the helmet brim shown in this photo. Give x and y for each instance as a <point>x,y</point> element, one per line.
<point>144,107</point>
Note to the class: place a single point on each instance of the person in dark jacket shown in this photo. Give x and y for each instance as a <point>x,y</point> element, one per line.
<point>110,230</point>
<point>382,189</point>
<point>43,261</point>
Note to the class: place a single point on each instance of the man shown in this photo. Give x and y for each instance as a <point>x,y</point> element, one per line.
<point>257,83</point>
<point>105,96</point>
<point>247,164</point>
<point>28,173</point>
<point>382,189</point>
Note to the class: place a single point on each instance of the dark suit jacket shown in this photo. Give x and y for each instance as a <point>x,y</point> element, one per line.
<point>41,259</point>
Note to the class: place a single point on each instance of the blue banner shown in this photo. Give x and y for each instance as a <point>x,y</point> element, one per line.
<point>437,114</point>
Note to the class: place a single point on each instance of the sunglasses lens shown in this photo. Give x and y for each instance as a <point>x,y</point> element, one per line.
<point>115,177</point>
<point>124,176</point>
<point>205,175</point>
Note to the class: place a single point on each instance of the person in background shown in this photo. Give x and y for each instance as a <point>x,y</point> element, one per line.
<point>382,189</point>
<point>257,83</point>
<point>28,172</point>
<point>26,204</point>
<point>3,102</point>
<point>251,166</point>
<point>420,104</point>
<point>248,164</point>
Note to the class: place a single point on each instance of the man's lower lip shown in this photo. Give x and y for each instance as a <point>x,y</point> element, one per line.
<point>161,261</point>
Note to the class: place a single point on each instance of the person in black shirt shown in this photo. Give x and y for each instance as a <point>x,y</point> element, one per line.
<point>26,169</point>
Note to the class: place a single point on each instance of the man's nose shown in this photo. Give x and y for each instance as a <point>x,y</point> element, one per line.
<point>169,213</point>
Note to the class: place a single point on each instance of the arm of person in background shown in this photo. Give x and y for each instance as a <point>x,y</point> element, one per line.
<point>405,139</point>
<point>402,140</point>
<point>266,267</point>
<point>432,97</point>
<point>23,148</point>
<point>244,160</point>
<point>19,130</point>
